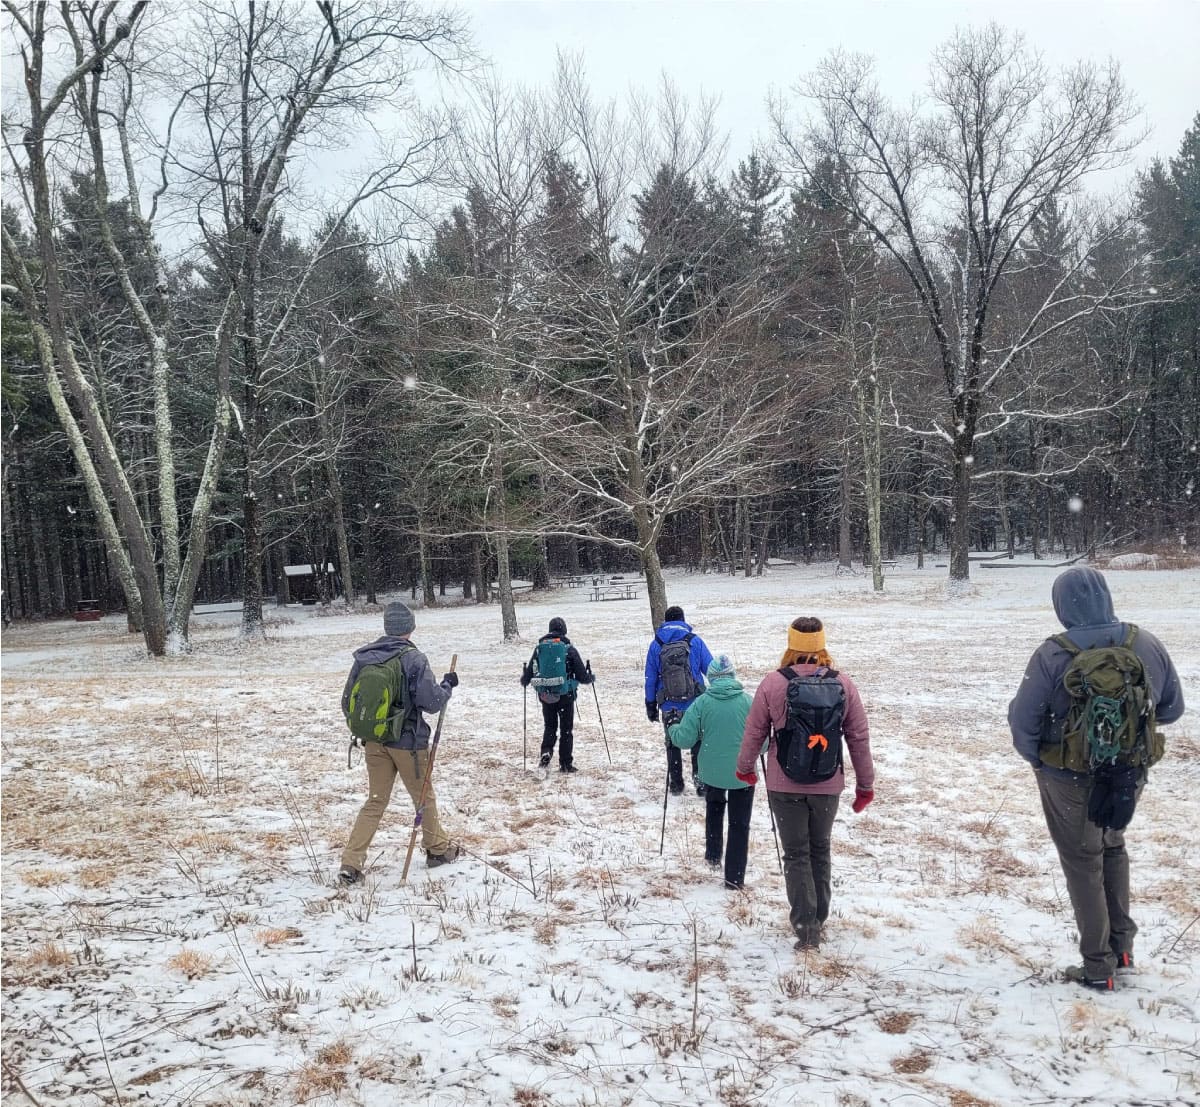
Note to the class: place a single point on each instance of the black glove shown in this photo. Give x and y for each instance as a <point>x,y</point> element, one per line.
<point>526,677</point>
<point>652,711</point>
<point>590,677</point>
<point>673,716</point>
<point>451,679</point>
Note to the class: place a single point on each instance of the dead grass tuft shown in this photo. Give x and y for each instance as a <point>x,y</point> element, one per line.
<point>897,1022</point>
<point>49,955</point>
<point>274,935</point>
<point>191,963</point>
<point>98,876</point>
<point>918,1061</point>
<point>545,930</point>
<point>44,878</point>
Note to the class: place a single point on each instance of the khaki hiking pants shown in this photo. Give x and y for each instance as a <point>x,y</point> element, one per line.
<point>384,764</point>
<point>1096,868</point>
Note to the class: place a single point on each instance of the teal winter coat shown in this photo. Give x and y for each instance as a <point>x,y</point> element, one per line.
<point>716,720</point>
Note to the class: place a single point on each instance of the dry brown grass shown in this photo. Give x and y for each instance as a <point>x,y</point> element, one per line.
<point>48,955</point>
<point>98,875</point>
<point>192,963</point>
<point>915,1062</point>
<point>545,930</point>
<point>273,935</point>
<point>896,1022</point>
<point>44,878</point>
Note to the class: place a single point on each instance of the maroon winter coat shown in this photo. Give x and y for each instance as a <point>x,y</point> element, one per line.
<point>768,713</point>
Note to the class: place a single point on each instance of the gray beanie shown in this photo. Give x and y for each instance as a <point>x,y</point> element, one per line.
<point>398,620</point>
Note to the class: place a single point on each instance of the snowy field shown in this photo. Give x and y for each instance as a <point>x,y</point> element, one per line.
<point>172,934</point>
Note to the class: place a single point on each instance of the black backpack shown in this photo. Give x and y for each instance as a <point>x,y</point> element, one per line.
<point>809,747</point>
<point>675,670</point>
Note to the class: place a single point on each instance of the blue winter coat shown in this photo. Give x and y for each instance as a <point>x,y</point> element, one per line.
<point>699,656</point>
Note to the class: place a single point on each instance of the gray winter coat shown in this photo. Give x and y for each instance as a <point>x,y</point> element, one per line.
<point>1084,606</point>
<point>426,694</point>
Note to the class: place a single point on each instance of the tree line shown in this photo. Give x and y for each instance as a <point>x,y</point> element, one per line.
<point>539,333</point>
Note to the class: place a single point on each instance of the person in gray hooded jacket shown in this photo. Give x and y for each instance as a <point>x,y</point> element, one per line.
<point>406,754</point>
<point>1093,860</point>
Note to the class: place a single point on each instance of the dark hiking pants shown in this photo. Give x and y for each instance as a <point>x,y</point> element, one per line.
<point>805,825</point>
<point>1096,868</point>
<point>739,802</point>
<point>675,759</point>
<point>559,719</point>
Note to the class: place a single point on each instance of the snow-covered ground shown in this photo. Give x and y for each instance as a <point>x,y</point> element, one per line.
<point>171,829</point>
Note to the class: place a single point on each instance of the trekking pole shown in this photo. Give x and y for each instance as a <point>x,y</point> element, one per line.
<point>601,718</point>
<point>663,837</point>
<point>525,730</point>
<point>437,735</point>
<point>775,833</point>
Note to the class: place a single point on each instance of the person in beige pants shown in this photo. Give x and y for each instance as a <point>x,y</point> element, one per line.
<point>406,752</point>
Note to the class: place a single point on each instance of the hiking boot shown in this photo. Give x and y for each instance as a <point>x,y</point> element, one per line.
<point>348,876</point>
<point>676,788</point>
<point>543,761</point>
<point>701,787</point>
<point>808,937</point>
<point>451,853</point>
<point>1078,974</point>
<point>730,886</point>
<point>1125,964</point>
<point>567,769</point>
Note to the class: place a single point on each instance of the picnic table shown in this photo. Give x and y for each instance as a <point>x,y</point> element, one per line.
<point>613,588</point>
<point>567,582</point>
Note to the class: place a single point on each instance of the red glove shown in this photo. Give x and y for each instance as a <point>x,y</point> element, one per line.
<point>862,796</point>
<point>750,778</point>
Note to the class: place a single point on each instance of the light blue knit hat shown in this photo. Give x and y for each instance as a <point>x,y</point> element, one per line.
<point>720,666</point>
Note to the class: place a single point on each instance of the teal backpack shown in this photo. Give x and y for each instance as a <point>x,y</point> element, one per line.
<point>550,665</point>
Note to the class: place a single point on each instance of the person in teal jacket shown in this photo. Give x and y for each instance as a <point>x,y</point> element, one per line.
<point>716,720</point>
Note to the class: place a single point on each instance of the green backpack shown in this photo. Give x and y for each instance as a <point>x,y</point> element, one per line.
<point>1110,720</point>
<point>378,700</point>
<point>550,664</point>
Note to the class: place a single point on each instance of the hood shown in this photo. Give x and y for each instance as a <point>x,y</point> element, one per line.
<point>725,688</point>
<point>381,650</point>
<point>668,632</point>
<point>1081,599</point>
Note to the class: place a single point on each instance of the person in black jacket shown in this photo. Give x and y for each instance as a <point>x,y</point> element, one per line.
<point>1093,859</point>
<point>558,708</point>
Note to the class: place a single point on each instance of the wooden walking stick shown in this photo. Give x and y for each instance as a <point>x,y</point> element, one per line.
<point>437,736</point>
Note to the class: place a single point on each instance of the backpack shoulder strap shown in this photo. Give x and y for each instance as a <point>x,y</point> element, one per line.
<point>786,673</point>
<point>1130,636</point>
<point>1066,643</point>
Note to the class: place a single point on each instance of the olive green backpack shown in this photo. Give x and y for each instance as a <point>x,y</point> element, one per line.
<point>1110,720</point>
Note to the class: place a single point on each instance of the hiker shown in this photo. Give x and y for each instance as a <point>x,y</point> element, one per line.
<point>714,723</point>
<point>806,707</point>
<point>402,746</point>
<point>1075,772</point>
<point>557,670</point>
<point>675,665</point>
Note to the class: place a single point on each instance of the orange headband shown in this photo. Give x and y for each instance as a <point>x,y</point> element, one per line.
<point>806,642</point>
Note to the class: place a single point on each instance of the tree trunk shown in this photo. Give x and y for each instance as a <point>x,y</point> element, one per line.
<point>481,580</point>
<point>960,530</point>
<point>508,608</point>
<point>844,552</point>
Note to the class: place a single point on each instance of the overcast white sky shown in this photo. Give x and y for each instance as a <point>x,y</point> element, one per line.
<point>739,49</point>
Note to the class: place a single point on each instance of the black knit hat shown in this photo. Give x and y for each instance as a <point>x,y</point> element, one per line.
<point>558,626</point>
<point>673,615</point>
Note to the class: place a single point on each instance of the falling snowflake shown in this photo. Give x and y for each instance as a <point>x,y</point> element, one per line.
<point>410,383</point>
<point>320,359</point>
<point>1075,505</point>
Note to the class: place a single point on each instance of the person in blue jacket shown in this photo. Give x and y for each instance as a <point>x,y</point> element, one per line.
<point>675,666</point>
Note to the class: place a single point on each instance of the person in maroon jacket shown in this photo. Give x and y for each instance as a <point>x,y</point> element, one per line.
<point>805,808</point>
